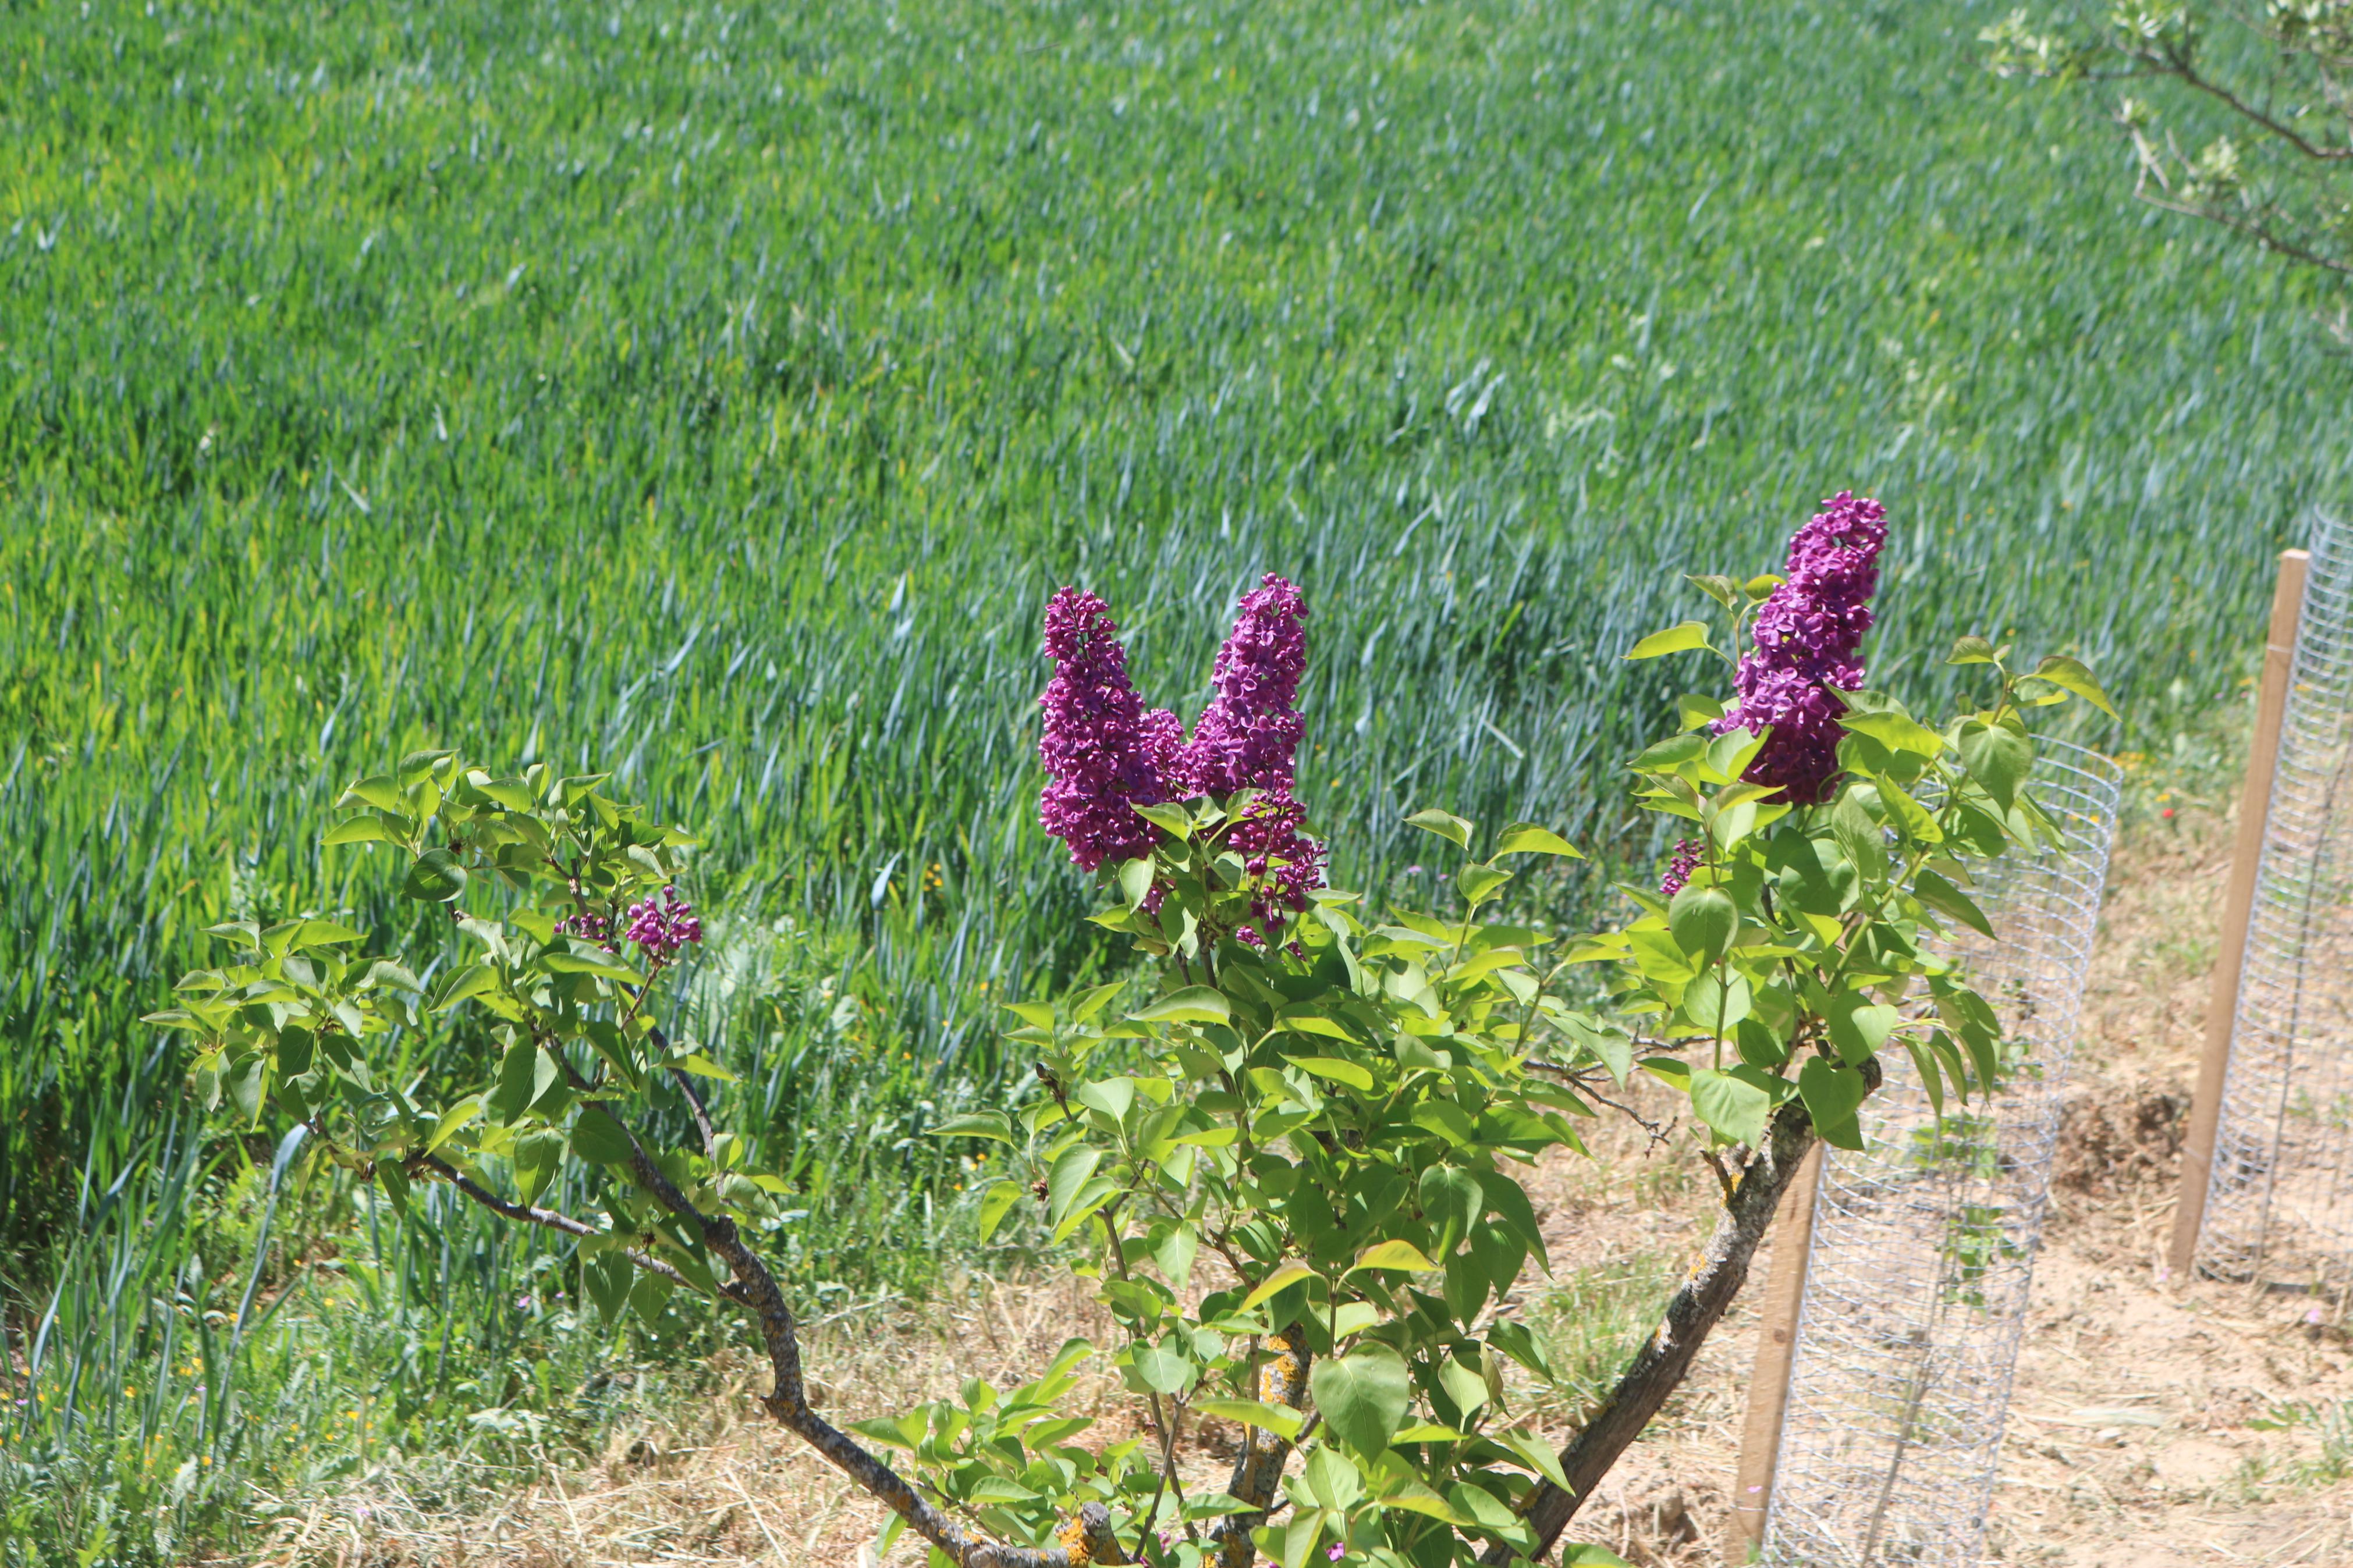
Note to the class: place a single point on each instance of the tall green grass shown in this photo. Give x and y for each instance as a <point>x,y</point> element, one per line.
<point>717,394</point>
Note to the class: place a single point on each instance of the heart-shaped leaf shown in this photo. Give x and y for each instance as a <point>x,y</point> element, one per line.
<point>1362,1395</point>
<point>1703,921</point>
<point>434,877</point>
<point>1833,1096</point>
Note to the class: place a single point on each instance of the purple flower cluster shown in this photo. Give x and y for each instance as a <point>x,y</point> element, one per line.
<point>596,928</point>
<point>662,928</point>
<point>1105,753</point>
<point>1248,735</point>
<point>1680,869</point>
<point>1807,639</point>
<point>1270,838</point>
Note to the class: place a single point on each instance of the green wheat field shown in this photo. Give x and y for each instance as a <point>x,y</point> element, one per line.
<point>716,395</point>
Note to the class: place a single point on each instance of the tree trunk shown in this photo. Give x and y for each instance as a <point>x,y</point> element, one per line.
<point>1666,1358</point>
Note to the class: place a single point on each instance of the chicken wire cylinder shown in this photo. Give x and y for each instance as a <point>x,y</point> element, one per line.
<point>2279,1197</point>
<point>1916,1286</point>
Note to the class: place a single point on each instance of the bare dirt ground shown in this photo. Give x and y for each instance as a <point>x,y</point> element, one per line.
<point>2155,1422</point>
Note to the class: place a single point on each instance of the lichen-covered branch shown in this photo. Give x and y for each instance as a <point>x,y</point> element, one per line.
<point>1665,1359</point>
<point>1259,1469</point>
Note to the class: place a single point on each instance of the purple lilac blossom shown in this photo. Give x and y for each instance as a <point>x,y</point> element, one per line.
<point>1105,753</point>
<point>1289,864</point>
<point>1680,869</point>
<point>662,927</point>
<point>1807,641</point>
<point>1248,735</point>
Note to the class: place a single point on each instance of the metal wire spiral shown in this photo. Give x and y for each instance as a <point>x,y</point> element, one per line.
<point>1924,1241</point>
<point>2279,1203</point>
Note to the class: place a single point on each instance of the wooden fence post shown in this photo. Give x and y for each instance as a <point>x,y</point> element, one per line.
<point>2238,910</point>
<point>1777,1342</point>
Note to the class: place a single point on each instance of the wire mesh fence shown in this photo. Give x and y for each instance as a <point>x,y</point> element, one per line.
<point>2279,1198</point>
<point>1924,1241</point>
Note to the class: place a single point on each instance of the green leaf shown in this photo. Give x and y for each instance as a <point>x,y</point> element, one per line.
<point>1679,639</point>
<point>1446,825</point>
<point>1089,1198</point>
<point>1069,1175</point>
<point>1316,1024</point>
<point>1336,1069</point>
<point>1716,1007</point>
<point>2070,675</point>
<point>535,1157</point>
<point>1488,1511</point>
<point>1971,650</point>
<point>434,877</point>
<point>1693,709</point>
<point>1910,816</point>
<point>608,1277</point>
<point>1538,1456</point>
<point>395,1184</point>
<point>367,827</point>
<point>1362,1395</point>
<point>457,1116</point>
<point>1859,1026</point>
<point>1176,1254</point>
<point>1282,1278</point>
<point>1279,1419</point>
<point>993,1124</point>
<point>1947,899</point>
<point>892,1431</point>
<point>1527,838</point>
<point>1516,1340</point>
<point>1135,880</point>
<point>1508,1202</point>
<point>557,961</point>
<point>246,1082</point>
<point>1672,1072</point>
<point>1451,1204</point>
<point>1924,1061</point>
<point>995,1204</point>
<point>702,1066</point>
<point>1037,1014</point>
<point>1162,1371</point>
<point>1171,818</point>
<point>1897,730</point>
<point>1735,1110</point>
<point>1331,1479</point>
<point>599,1139</point>
<point>1112,1095</point>
<point>1402,1491</point>
<point>1703,921</point>
<point>1833,1096</point>
<point>1570,1556</point>
<point>1400,1254</point>
<point>1193,1005</point>
<point>513,1092</point>
<point>1864,843</point>
<point>378,791</point>
<point>1999,758</point>
<point>1478,883</point>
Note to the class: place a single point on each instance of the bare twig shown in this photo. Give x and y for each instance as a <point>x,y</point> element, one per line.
<point>441,1170</point>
